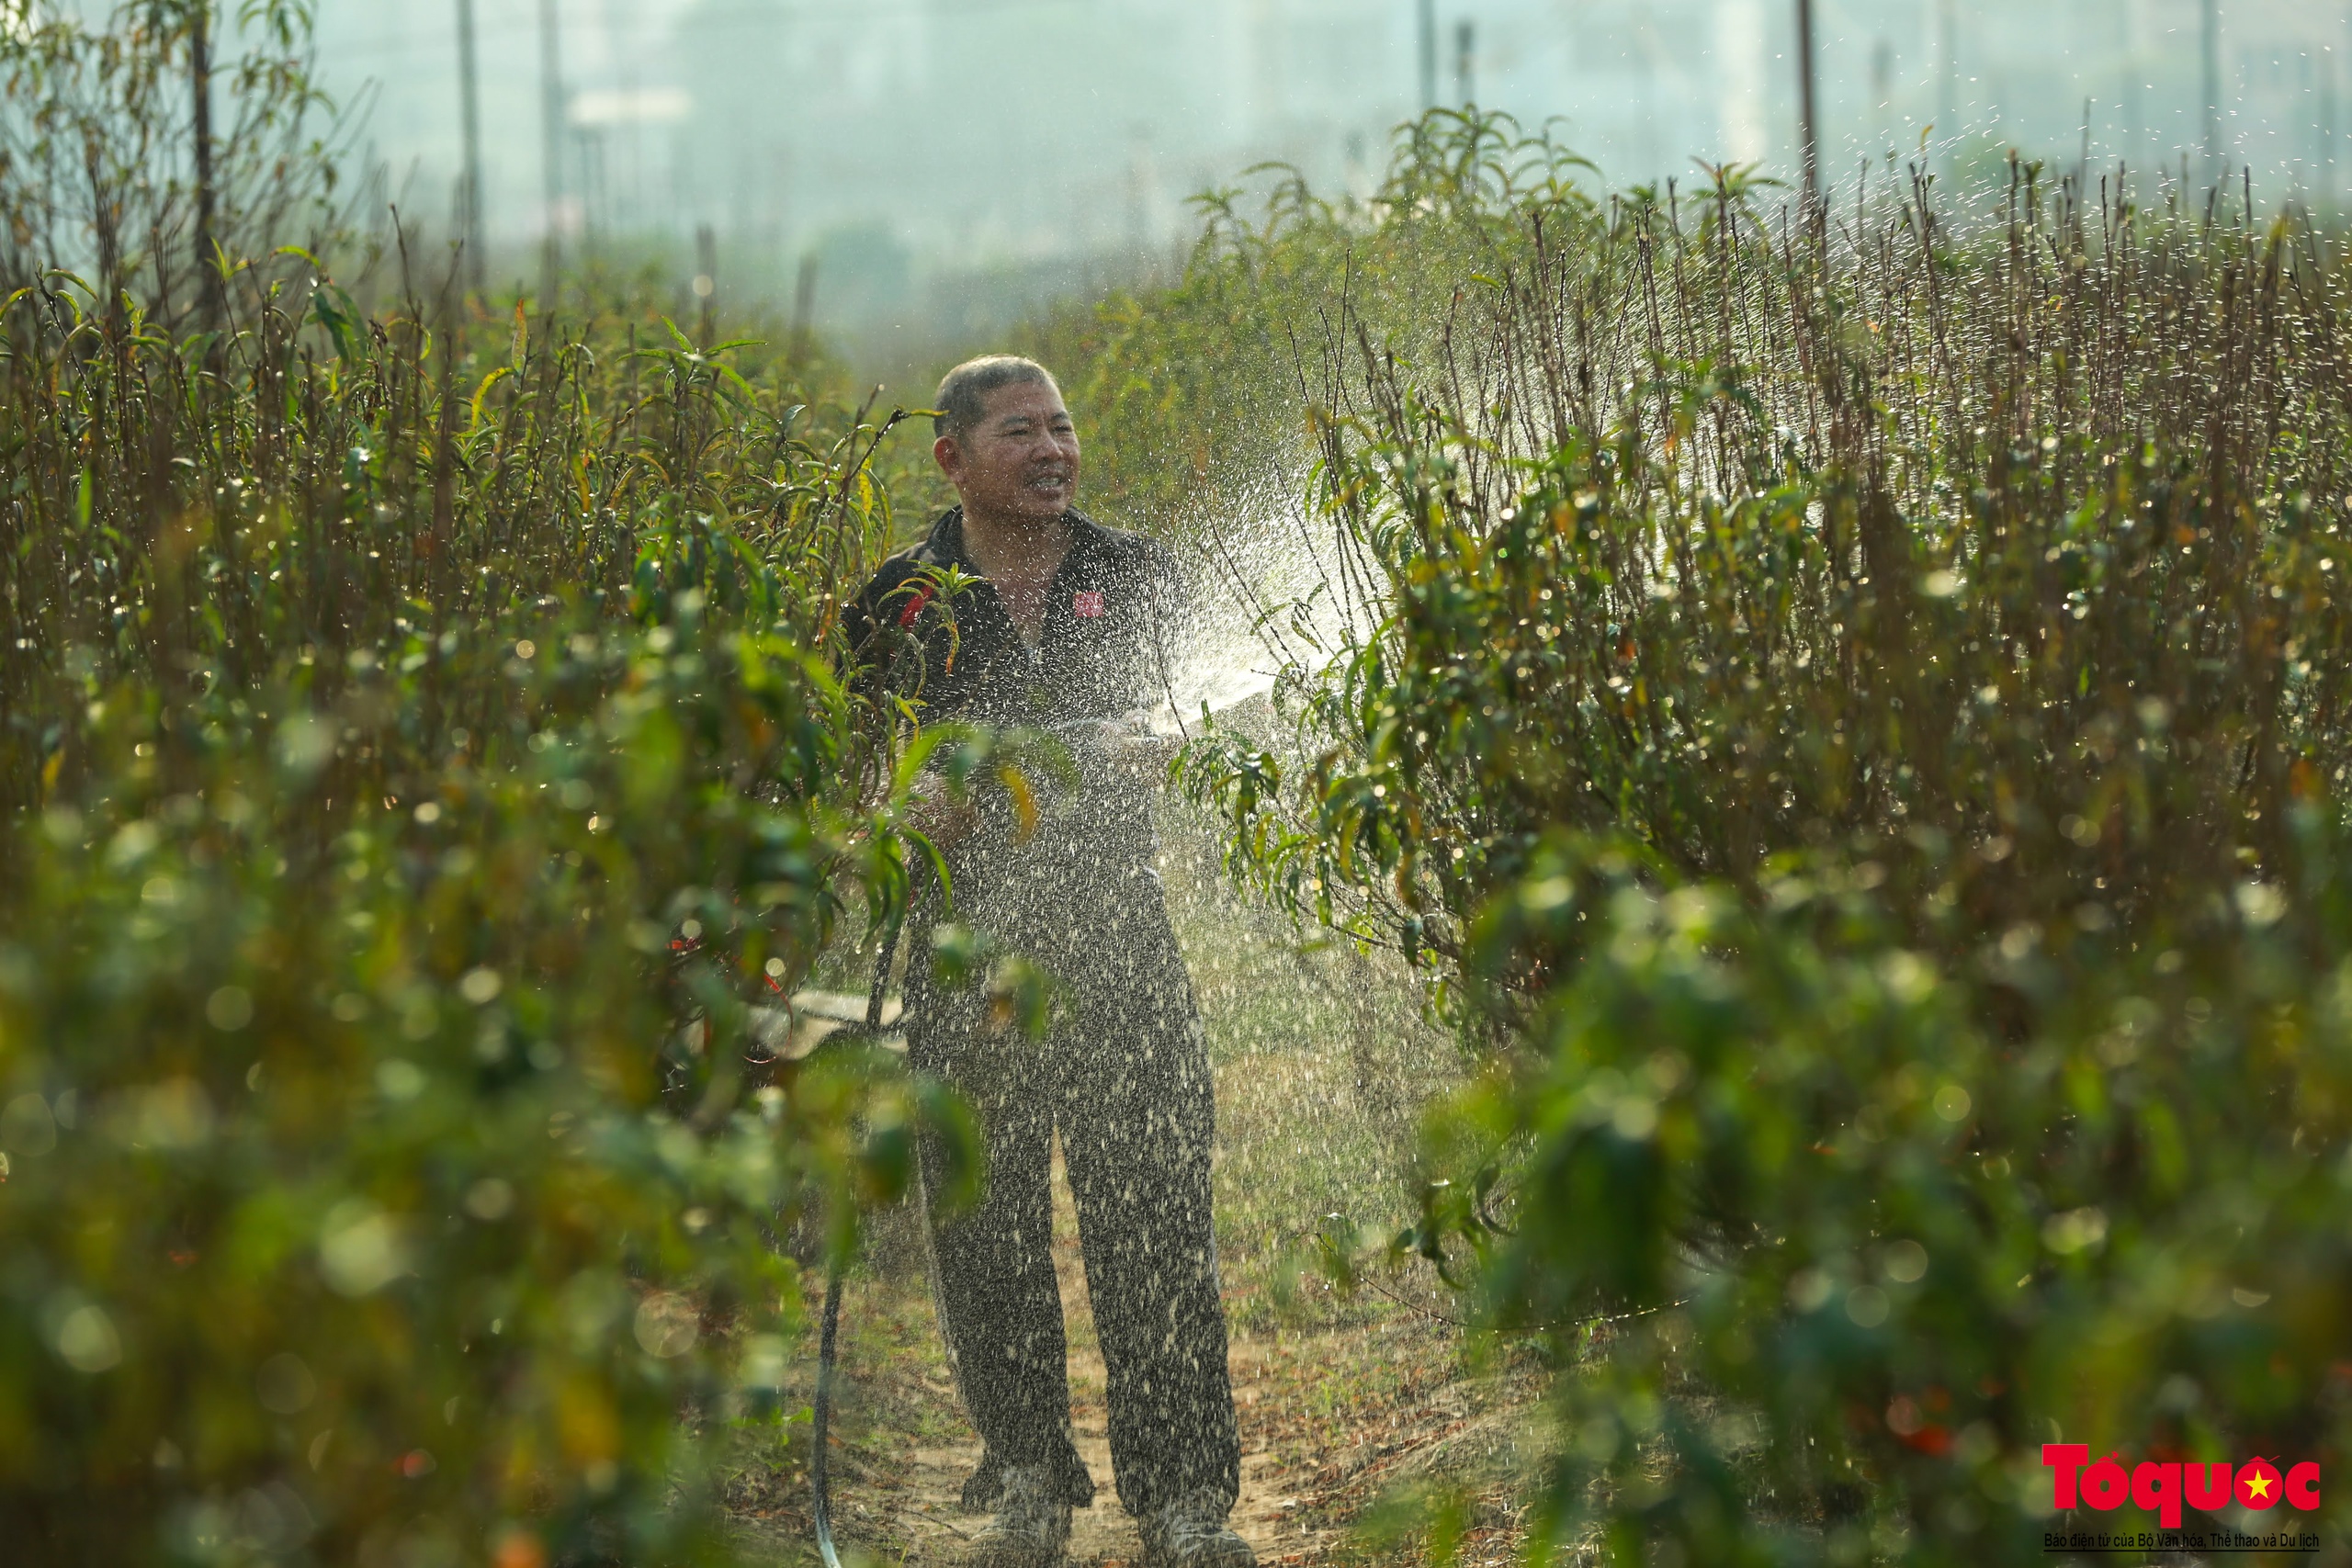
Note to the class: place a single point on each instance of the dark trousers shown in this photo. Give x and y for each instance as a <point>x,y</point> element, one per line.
<point>1125,1080</point>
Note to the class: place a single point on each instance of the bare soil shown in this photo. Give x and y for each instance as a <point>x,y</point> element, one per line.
<point>1333,1414</point>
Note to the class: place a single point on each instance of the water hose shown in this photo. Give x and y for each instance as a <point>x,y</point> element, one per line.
<point>830,1323</point>
<point>822,1418</point>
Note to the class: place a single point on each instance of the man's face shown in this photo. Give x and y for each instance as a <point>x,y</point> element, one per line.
<point>1019,460</point>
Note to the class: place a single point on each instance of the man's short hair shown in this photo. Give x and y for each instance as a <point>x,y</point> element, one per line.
<point>964,395</point>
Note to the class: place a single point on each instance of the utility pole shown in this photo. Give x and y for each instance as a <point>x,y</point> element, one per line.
<point>1948,69</point>
<point>803,302</point>
<point>551,149</point>
<point>2210,48</point>
<point>1806,104</point>
<point>2330,83</point>
<point>199,65</point>
<point>707,281</point>
<point>1429,54</point>
<point>470,115</point>
<point>2330,75</point>
<point>1465,57</point>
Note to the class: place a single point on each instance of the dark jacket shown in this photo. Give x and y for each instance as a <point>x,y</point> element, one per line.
<point>1103,653</point>
<point>1103,650</point>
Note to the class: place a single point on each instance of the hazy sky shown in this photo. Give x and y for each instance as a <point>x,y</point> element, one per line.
<point>909,141</point>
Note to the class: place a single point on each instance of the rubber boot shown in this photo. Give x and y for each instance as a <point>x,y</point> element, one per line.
<point>1190,1532</point>
<point>1032,1524</point>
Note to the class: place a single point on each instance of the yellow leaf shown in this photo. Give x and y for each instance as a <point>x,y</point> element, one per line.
<point>484,391</point>
<point>1024,803</point>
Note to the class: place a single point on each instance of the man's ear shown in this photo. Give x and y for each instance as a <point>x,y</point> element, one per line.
<point>948,455</point>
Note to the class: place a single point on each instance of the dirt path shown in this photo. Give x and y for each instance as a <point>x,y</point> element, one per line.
<point>1329,1417</point>
<point>934,1526</point>
<point>930,1515</point>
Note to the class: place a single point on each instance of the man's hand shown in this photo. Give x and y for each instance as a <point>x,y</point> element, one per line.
<point>938,816</point>
<point>1129,746</point>
<point>1147,755</point>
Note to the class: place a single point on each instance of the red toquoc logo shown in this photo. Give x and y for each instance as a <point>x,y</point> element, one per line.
<point>2257,1483</point>
<point>1088,604</point>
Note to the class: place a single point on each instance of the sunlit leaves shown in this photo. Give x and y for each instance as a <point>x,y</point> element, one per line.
<point>1857,723</point>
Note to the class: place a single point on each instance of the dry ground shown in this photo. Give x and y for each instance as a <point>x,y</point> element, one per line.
<point>1337,1407</point>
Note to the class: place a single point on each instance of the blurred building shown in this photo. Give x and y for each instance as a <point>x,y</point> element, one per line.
<point>945,156</point>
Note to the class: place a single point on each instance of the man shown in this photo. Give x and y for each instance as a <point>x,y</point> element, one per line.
<point>1064,631</point>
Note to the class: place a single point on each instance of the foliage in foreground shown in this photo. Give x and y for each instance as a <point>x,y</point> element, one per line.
<point>418,743</point>
<point>1855,713</point>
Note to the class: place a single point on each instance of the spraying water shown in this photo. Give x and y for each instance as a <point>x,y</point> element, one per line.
<point>1268,602</point>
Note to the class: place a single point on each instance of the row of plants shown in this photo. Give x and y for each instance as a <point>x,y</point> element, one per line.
<point>421,742</point>
<point>1849,708</point>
